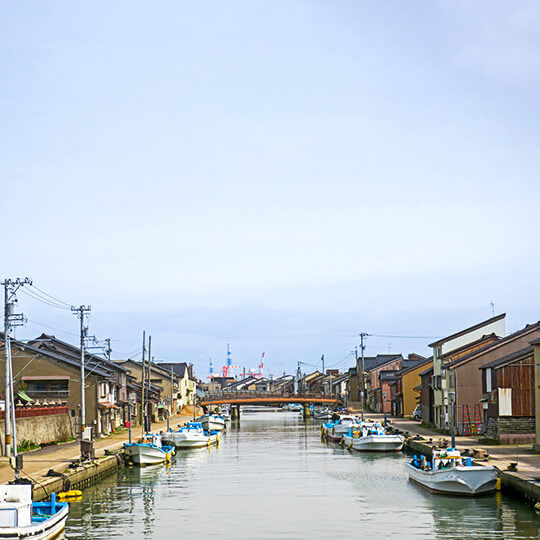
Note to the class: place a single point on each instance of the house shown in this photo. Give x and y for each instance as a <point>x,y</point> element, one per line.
<point>339,386</point>
<point>408,387</point>
<point>450,348</point>
<point>111,405</point>
<point>187,383</point>
<point>310,383</point>
<point>465,380</point>
<point>509,385</point>
<point>163,394</point>
<point>283,384</point>
<point>377,399</point>
<point>359,377</point>
<point>536,344</point>
<point>382,395</point>
<point>49,369</point>
<point>248,384</point>
<point>426,395</point>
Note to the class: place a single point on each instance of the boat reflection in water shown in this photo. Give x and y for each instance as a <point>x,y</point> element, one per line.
<point>273,475</point>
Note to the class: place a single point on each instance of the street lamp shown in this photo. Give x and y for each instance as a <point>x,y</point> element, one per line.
<point>452,399</point>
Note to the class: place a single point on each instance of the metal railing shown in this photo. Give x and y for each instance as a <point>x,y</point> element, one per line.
<point>270,396</point>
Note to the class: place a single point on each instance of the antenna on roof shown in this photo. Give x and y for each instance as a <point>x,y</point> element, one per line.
<point>492,309</point>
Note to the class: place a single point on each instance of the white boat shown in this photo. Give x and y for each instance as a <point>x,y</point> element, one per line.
<point>372,437</point>
<point>212,422</point>
<point>452,474</point>
<point>323,414</point>
<point>149,451</point>
<point>335,430</point>
<point>194,436</point>
<point>22,518</point>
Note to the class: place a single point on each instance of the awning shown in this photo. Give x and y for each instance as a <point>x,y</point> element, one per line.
<point>107,405</point>
<point>24,396</point>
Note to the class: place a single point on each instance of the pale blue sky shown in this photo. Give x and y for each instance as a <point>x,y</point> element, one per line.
<point>278,175</point>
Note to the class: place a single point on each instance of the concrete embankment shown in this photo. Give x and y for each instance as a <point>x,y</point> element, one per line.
<point>55,468</point>
<point>77,478</point>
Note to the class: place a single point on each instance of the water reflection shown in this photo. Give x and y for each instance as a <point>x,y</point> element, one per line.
<point>272,477</point>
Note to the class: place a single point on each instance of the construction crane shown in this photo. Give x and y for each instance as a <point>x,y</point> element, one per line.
<point>225,369</point>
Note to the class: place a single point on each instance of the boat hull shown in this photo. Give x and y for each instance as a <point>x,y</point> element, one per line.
<point>194,440</point>
<point>213,423</point>
<point>145,454</point>
<point>46,530</point>
<point>336,433</point>
<point>375,443</point>
<point>466,481</point>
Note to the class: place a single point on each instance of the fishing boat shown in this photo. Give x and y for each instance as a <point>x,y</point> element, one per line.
<point>212,422</point>
<point>20,517</point>
<point>323,414</point>
<point>150,450</point>
<point>450,473</point>
<point>192,436</point>
<point>336,429</point>
<point>372,437</point>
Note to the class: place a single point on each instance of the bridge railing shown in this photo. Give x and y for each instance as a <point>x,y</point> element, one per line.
<point>278,396</point>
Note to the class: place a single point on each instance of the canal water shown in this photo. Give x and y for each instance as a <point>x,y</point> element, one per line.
<point>273,478</point>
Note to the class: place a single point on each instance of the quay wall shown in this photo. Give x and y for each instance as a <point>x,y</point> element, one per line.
<point>79,477</point>
<point>511,481</point>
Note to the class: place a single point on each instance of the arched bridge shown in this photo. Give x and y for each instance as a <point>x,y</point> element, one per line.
<point>268,398</point>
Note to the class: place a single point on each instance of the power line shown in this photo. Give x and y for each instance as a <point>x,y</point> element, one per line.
<point>404,337</point>
<point>52,327</point>
<point>51,296</point>
<point>43,300</point>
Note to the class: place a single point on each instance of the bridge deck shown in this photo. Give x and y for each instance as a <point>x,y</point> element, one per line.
<point>263,398</point>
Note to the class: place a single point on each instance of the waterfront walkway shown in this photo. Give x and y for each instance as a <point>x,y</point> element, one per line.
<point>58,457</point>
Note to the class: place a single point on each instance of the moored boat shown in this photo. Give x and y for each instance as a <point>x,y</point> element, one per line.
<point>212,422</point>
<point>450,473</point>
<point>373,437</point>
<point>336,429</point>
<point>20,517</point>
<point>193,436</point>
<point>149,451</point>
<point>323,414</point>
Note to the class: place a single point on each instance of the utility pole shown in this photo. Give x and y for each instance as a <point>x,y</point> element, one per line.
<point>10,321</point>
<point>81,311</point>
<point>172,394</point>
<point>108,350</point>
<point>143,381</point>
<point>363,335</point>
<point>322,360</point>
<point>148,418</point>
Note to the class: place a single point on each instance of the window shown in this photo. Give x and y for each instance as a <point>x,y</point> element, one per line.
<point>488,380</point>
<point>47,388</point>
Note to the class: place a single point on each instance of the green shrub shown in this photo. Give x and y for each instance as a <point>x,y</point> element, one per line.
<point>25,445</point>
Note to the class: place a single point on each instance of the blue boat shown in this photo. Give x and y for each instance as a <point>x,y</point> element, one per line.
<point>20,517</point>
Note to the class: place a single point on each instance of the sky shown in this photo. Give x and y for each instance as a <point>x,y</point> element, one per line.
<point>276,175</point>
